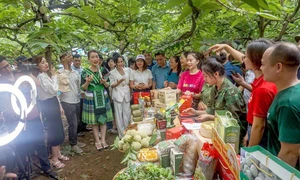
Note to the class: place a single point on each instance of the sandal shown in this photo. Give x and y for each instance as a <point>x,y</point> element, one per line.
<point>57,164</point>
<point>64,158</point>
<point>98,146</point>
<point>104,145</point>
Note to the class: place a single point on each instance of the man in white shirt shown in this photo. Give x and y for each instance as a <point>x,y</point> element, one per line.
<point>69,86</point>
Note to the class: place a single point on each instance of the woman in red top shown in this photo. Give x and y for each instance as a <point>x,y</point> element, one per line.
<point>192,80</point>
<point>263,92</point>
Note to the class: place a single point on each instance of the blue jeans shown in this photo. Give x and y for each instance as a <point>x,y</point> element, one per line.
<point>264,140</point>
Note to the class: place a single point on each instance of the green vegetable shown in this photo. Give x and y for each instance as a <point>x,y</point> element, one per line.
<point>145,143</point>
<point>136,146</point>
<point>126,146</point>
<point>145,171</point>
<point>137,138</point>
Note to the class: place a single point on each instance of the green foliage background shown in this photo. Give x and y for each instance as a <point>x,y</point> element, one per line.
<point>131,26</point>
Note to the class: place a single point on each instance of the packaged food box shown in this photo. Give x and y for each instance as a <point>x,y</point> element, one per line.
<point>167,96</point>
<point>164,160</point>
<point>158,105</point>
<point>228,128</point>
<point>176,161</point>
<point>175,132</point>
<point>161,124</point>
<point>162,133</point>
<point>188,101</point>
<point>154,93</point>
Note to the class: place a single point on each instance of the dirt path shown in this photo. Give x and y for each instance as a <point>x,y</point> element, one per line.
<point>92,164</point>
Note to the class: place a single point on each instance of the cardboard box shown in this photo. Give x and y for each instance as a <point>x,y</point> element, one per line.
<point>176,161</point>
<point>227,167</point>
<point>158,105</point>
<point>154,93</point>
<point>162,133</point>
<point>164,160</point>
<point>228,128</point>
<point>167,96</point>
<point>175,132</point>
<point>161,124</point>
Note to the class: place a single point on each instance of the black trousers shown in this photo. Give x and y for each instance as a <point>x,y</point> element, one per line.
<point>72,112</point>
<point>81,125</point>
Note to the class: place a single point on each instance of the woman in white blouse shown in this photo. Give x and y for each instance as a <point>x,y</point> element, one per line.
<point>141,77</point>
<point>51,111</point>
<point>119,80</point>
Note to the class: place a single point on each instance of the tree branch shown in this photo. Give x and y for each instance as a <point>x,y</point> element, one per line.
<point>62,6</point>
<point>231,8</point>
<point>107,4</point>
<point>16,28</point>
<point>287,21</point>
<point>189,33</point>
<point>87,22</point>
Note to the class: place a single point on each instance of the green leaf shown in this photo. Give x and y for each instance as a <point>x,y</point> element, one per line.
<point>263,4</point>
<point>38,44</point>
<point>237,21</point>
<point>185,12</point>
<point>252,3</point>
<point>173,3</point>
<point>153,139</point>
<point>84,176</point>
<point>198,3</point>
<point>269,16</point>
<point>211,6</point>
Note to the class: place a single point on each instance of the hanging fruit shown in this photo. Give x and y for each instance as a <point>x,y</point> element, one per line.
<point>43,10</point>
<point>27,5</point>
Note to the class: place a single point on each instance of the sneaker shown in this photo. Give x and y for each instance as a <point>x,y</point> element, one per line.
<point>80,144</point>
<point>77,149</point>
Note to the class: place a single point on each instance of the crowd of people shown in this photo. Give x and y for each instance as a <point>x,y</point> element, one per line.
<point>259,87</point>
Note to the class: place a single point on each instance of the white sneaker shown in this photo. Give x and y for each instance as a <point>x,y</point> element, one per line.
<point>77,149</point>
<point>80,144</point>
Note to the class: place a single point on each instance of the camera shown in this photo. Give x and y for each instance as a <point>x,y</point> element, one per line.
<point>24,65</point>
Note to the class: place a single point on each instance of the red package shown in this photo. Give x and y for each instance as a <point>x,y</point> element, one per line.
<point>187,120</point>
<point>188,101</point>
<point>175,132</point>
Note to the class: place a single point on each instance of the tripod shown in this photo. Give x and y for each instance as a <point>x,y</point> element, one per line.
<point>29,169</point>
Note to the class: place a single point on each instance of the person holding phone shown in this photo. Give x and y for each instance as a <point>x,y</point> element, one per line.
<point>263,92</point>
<point>119,79</point>
<point>96,104</point>
<point>223,95</point>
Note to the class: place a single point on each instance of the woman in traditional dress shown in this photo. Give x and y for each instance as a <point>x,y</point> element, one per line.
<point>96,104</point>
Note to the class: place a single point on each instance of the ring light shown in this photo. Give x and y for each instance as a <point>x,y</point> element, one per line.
<point>33,94</point>
<point>7,138</point>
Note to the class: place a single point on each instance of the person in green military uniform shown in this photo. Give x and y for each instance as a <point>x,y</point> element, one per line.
<point>223,95</point>
<point>280,64</point>
<point>96,104</point>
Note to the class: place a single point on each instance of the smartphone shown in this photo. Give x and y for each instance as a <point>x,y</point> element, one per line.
<point>234,73</point>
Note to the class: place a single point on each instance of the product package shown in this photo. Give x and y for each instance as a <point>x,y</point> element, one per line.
<point>228,128</point>
<point>207,163</point>
<point>188,144</point>
<point>258,163</point>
